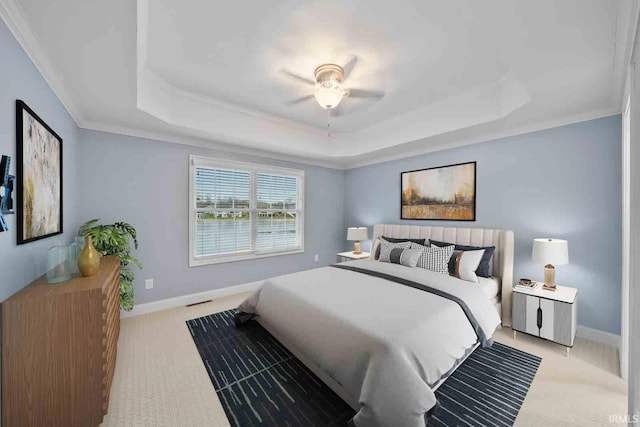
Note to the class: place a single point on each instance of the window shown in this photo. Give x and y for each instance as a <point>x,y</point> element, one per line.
<point>243,211</point>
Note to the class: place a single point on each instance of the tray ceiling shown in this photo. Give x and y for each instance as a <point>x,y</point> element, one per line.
<point>214,73</point>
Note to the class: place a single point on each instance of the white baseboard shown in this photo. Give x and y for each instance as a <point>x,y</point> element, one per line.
<point>181,301</point>
<point>606,338</point>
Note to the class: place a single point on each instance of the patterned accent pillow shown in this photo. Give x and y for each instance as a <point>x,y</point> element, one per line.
<point>434,258</point>
<point>386,247</point>
<point>465,264</point>
<point>483,267</point>
<point>403,256</point>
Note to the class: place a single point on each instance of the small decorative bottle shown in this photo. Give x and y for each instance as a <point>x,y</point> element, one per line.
<point>89,259</point>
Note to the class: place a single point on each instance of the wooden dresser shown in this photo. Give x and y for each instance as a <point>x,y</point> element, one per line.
<point>59,350</point>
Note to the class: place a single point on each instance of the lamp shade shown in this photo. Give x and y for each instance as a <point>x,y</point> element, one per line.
<point>357,233</point>
<point>550,251</point>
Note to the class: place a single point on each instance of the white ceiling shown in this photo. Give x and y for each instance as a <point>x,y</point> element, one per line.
<point>211,73</point>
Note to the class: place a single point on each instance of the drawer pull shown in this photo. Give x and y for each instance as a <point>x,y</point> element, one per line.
<point>539,320</point>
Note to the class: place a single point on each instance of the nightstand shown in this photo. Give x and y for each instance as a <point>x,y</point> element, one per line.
<point>350,256</point>
<point>546,314</point>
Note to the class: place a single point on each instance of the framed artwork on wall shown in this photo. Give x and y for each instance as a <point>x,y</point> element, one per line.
<point>443,193</point>
<point>39,177</point>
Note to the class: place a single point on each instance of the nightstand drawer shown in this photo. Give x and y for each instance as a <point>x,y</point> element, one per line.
<point>526,313</point>
<point>565,316</point>
<point>546,318</point>
<point>546,322</point>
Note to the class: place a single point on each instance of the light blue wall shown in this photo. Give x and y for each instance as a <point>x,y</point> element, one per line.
<point>145,183</point>
<point>563,182</point>
<point>19,79</point>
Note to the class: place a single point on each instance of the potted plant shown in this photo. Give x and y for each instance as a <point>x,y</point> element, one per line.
<point>114,239</point>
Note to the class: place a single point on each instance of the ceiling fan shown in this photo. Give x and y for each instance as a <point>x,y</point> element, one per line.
<point>329,88</point>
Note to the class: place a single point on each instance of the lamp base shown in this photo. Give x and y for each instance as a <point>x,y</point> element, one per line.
<point>356,248</point>
<point>549,278</point>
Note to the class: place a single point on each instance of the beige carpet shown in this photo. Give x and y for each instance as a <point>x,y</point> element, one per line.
<point>160,379</point>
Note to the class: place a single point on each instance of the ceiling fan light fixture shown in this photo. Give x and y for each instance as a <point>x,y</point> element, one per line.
<point>329,98</point>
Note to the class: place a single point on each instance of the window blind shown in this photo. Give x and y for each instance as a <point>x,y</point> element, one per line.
<point>223,219</point>
<point>249,212</point>
<point>277,224</point>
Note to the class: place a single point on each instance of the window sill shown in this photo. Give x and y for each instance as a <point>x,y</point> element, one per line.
<point>221,259</point>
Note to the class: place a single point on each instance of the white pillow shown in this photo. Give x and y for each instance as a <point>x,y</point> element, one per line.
<point>434,258</point>
<point>374,249</point>
<point>466,263</point>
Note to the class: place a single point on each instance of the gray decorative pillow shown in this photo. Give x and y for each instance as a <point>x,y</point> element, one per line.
<point>386,247</point>
<point>434,258</point>
<point>465,264</point>
<point>404,256</point>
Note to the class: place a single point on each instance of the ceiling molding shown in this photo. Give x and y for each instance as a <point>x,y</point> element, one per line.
<point>209,144</point>
<point>626,31</point>
<point>155,79</point>
<point>347,163</point>
<point>11,15</point>
<point>384,156</point>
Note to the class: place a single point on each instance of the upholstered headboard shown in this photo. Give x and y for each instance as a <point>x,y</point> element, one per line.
<point>501,265</point>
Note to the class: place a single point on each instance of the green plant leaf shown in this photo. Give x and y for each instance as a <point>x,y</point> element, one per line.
<point>113,239</point>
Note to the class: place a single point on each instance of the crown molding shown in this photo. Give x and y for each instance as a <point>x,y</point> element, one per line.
<point>155,80</point>
<point>348,163</point>
<point>209,144</point>
<point>11,15</point>
<point>626,30</point>
<point>397,154</point>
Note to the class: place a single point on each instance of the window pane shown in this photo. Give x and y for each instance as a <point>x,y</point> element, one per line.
<point>277,230</point>
<point>276,192</point>
<point>220,188</point>
<point>222,233</point>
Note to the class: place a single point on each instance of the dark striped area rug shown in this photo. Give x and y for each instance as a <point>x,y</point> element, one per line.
<point>260,383</point>
<point>487,389</point>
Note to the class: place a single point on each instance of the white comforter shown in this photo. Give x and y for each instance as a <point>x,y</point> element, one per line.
<point>386,343</point>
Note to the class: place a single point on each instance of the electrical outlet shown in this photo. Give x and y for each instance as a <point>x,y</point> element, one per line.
<point>317,258</point>
<point>148,284</point>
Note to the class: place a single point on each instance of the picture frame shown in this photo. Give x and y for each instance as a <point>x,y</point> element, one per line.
<point>441,193</point>
<point>39,171</point>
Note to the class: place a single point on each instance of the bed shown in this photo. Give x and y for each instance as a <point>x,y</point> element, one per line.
<point>385,336</point>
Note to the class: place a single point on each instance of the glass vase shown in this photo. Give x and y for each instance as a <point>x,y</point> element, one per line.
<point>58,266</point>
<point>74,252</point>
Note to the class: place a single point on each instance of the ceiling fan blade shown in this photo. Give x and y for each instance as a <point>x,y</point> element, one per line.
<point>297,77</point>
<point>362,93</point>
<point>299,100</point>
<point>348,67</point>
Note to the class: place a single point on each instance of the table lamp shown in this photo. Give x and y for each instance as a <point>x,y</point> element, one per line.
<point>550,252</point>
<point>357,234</point>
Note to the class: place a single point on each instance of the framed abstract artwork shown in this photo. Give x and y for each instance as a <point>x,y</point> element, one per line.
<point>39,177</point>
<point>444,193</point>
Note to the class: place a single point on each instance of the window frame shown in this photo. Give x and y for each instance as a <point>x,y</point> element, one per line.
<point>253,168</point>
